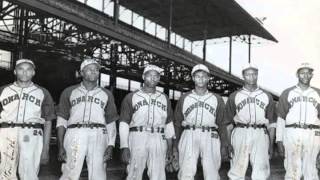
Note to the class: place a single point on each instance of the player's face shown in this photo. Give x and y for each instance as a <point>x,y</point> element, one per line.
<point>24,72</point>
<point>90,73</point>
<point>305,75</point>
<point>200,79</point>
<point>151,78</point>
<point>250,76</point>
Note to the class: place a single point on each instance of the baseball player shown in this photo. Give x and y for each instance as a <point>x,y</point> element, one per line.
<point>146,128</point>
<point>298,126</point>
<point>250,114</point>
<point>26,111</point>
<point>198,123</point>
<point>86,125</point>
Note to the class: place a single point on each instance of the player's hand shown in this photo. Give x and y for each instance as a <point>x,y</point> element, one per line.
<point>125,155</point>
<point>44,157</point>
<point>62,155</point>
<point>230,151</point>
<point>224,153</point>
<point>280,148</point>
<point>169,155</point>
<point>108,153</point>
<point>175,159</point>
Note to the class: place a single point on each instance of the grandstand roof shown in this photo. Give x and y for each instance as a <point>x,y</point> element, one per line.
<point>189,17</point>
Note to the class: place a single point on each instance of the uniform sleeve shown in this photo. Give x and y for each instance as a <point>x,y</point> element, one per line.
<point>283,106</point>
<point>230,109</point>
<point>64,104</point>
<point>126,109</point>
<point>110,110</point>
<point>47,107</point>
<point>170,111</point>
<point>282,111</point>
<point>220,111</point>
<point>1,90</point>
<point>178,116</point>
<point>318,105</point>
<point>270,110</point>
<point>169,128</point>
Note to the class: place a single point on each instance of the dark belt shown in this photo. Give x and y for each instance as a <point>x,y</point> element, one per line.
<point>90,125</point>
<point>303,126</point>
<point>204,128</point>
<point>259,126</point>
<point>22,125</point>
<point>148,129</point>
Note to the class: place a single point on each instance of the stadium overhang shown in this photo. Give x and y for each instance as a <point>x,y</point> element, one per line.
<point>199,19</point>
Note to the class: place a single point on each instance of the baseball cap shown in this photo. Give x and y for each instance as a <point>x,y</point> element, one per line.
<point>20,61</point>
<point>200,67</point>
<point>249,66</point>
<point>150,67</point>
<point>305,65</point>
<point>87,62</point>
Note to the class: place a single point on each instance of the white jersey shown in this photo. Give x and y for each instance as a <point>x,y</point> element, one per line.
<point>195,110</point>
<point>146,109</point>
<point>300,107</point>
<point>32,104</point>
<point>80,106</point>
<point>247,107</point>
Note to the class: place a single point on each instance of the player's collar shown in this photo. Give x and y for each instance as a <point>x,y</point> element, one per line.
<point>83,87</point>
<point>151,94</point>
<point>301,90</point>
<point>194,93</point>
<point>250,93</point>
<point>16,84</point>
<point>247,90</point>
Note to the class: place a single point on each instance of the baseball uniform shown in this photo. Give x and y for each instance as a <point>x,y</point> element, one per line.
<point>200,118</point>
<point>90,117</point>
<point>149,116</point>
<point>300,111</point>
<point>251,113</point>
<point>23,112</point>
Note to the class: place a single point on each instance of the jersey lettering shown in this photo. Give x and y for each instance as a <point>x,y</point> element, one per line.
<point>25,96</point>
<point>153,102</point>
<point>250,100</point>
<point>200,105</point>
<point>87,99</point>
<point>303,99</point>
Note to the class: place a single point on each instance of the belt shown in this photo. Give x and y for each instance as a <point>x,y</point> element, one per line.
<point>149,129</point>
<point>90,125</point>
<point>204,128</point>
<point>22,125</point>
<point>303,126</point>
<point>242,125</point>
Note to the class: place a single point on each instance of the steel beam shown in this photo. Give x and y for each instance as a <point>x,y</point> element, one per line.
<point>80,14</point>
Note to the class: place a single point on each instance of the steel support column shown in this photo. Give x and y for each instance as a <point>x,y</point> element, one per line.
<point>230,54</point>
<point>249,48</point>
<point>204,49</point>
<point>116,12</point>
<point>170,22</point>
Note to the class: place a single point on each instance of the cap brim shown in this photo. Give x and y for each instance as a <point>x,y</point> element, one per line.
<point>250,68</point>
<point>26,63</point>
<point>305,68</point>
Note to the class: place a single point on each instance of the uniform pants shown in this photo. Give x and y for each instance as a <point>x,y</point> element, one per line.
<point>301,149</point>
<point>81,143</point>
<point>20,148</point>
<point>252,145</point>
<point>195,143</point>
<point>147,149</point>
